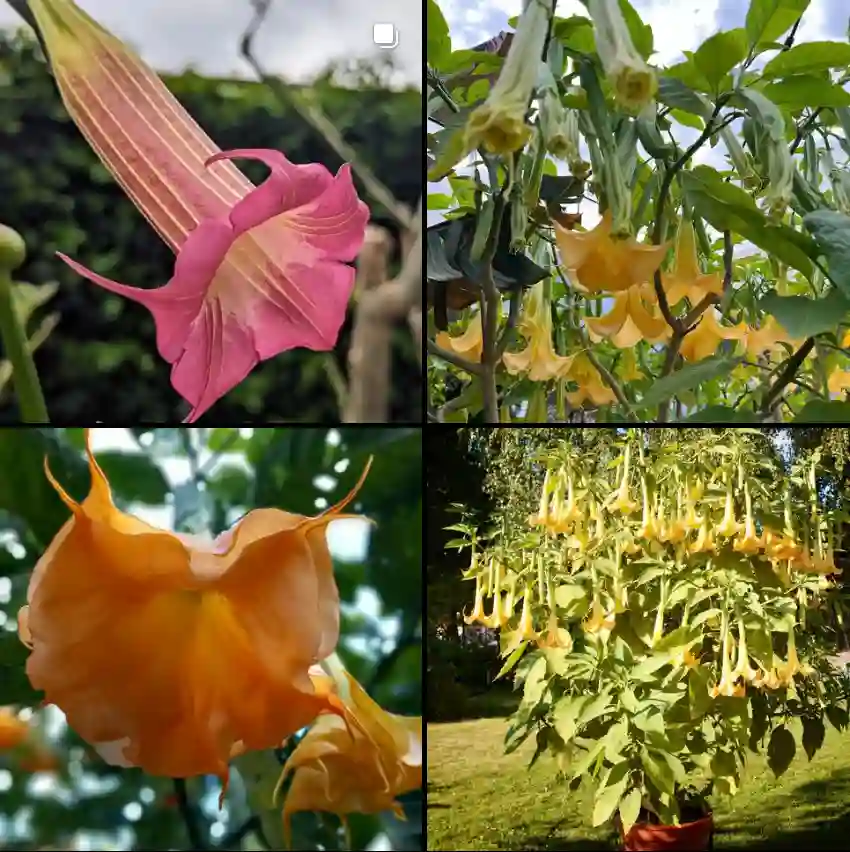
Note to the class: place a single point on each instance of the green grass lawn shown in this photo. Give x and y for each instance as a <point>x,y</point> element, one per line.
<point>480,798</point>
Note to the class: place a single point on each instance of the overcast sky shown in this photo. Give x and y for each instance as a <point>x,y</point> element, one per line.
<point>299,37</point>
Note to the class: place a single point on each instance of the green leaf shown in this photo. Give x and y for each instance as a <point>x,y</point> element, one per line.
<point>675,93</point>
<point>720,414</point>
<point>565,717</point>
<point>630,809</point>
<point>806,90</point>
<point>658,772</point>
<point>838,717</point>
<point>719,54</point>
<point>451,145</point>
<point>690,376</point>
<point>511,661</point>
<point>728,207</point>
<point>134,477</point>
<point>813,734</point>
<point>594,708</point>
<point>825,411</point>
<point>764,112</point>
<point>831,231</point>
<point>607,801</point>
<point>439,40</point>
<point>809,56</point>
<point>767,20</point>
<point>780,750</point>
<point>804,317</point>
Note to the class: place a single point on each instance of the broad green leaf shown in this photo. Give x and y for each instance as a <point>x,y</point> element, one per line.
<point>719,54</point>
<point>607,800</point>
<point>439,40</point>
<point>824,411</point>
<point>764,112</point>
<point>726,206</point>
<point>806,90</point>
<point>450,146</point>
<point>650,721</point>
<point>658,771</point>
<point>809,56</point>
<point>439,201</point>
<point>646,668</point>
<point>630,809</point>
<point>831,231</point>
<point>573,599</point>
<point>566,715</point>
<point>512,660</point>
<point>838,717</point>
<point>699,697</point>
<point>804,317</point>
<point>673,92</point>
<point>687,119</point>
<point>690,376</point>
<point>580,766</point>
<point>595,707</point>
<point>767,20</point>
<point>689,74</point>
<point>813,734</point>
<point>780,750</point>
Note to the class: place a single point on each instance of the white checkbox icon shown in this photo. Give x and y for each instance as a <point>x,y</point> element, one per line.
<point>385,36</point>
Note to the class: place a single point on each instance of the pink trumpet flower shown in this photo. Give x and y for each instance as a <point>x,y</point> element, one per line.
<point>259,270</point>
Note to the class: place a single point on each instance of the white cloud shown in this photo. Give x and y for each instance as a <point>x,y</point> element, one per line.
<point>297,40</point>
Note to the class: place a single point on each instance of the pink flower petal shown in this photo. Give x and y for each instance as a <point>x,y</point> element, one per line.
<point>267,276</point>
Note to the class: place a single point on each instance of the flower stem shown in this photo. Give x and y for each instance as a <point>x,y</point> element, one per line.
<point>15,344</point>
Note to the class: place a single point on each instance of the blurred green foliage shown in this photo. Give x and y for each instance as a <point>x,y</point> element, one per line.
<point>230,472</point>
<point>55,193</point>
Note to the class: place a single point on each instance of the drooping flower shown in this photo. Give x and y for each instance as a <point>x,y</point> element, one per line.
<point>703,341</point>
<point>620,500</point>
<point>149,641</point>
<point>629,320</point>
<point>589,382</point>
<point>477,613</point>
<point>743,669</point>
<point>767,338</point>
<point>728,526</point>
<point>542,516</point>
<point>356,762</point>
<point>539,359</point>
<point>555,637</point>
<point>649,525</point>
<point>747,541</point>
<point>469,344</point>
<point>525,629</point>
<point>633,81</point>
<point>602,262</point>
<point>685,279</point>
<point>728,684</point>
<point>260,270</point>
<point>499,124</point>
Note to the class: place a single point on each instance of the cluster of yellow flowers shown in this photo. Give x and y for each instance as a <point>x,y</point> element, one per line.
<point>580,527</point>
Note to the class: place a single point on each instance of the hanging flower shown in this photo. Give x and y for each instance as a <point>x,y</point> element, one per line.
<point>704,541</point>
<point>629,321</point>
<point>685,280</point>
<point>648,526</point>
<point>703,341</point>
<point>620,501</point>
<point>767,338</point>
<point>727,685</point>
<point>260,270</point>
<point>728,526</point>
<point>542,516</point>
<point>525,629</point>
<point>539,359</point>
<point>469,344</point>
<point>555,637</point>
<point>743,670</point>
<point>356,762</point>
<point>601,262</point>
<point>590,387</point>
<point>748,542</point>
<point>477,613</point>
<point>199,625</point>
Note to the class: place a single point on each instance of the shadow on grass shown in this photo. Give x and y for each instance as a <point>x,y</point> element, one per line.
<point>550,844</point>
<point>494,704</point>
<point>822,820</point>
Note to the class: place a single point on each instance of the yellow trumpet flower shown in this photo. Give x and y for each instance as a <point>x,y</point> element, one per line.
<point>767,338</point>
<point>477,613</point>
<point>685,279</point>
<point>728,526</point>
<point>556,637</point>
<point>620,500</point>
<point>602,262</point>
<point>497,617</point>
<point>705,542</point>
<point>785,671</point>
<point>627,368</point>
<point>743,669</point>
<point>703,341</point>
<point>648,527</point>
<point>599,621</point>
<point>539,358</point>
<point>749,542</point>
<point>838,381</point>
<point>469,344</point>
<point>629,320</point>
<point>525,629</point>
<point>568,514</point>
<point>542,516</point>
<point>589,382</point>
<point>727,685</point>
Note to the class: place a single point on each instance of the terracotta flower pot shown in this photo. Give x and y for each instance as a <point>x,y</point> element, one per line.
<point>688,837</point>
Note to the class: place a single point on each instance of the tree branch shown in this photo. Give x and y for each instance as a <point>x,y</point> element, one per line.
<point>313,115</point>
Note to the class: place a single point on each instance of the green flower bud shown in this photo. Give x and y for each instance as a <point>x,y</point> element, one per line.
<point>13,250</point>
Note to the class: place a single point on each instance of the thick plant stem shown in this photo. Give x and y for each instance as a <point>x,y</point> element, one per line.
<point>13,334</point>
<point>27,387</point>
